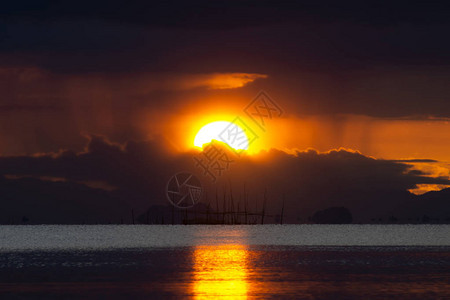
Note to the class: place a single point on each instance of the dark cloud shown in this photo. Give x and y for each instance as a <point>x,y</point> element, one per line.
<point>134,35</point>
<point>207,14</point>
<point>32,108</point>
<point>418,160</point>
<point>138,173</point>
<point>120,68</point>
<point>383,60</point>
<point>38,201</point>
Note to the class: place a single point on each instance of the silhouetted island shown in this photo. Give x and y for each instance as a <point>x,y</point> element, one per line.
<point>333,215</point>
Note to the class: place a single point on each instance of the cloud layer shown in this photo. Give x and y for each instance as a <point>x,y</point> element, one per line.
<point>108,180</point>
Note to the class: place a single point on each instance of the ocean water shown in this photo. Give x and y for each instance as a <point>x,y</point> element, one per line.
<point>225,262</point>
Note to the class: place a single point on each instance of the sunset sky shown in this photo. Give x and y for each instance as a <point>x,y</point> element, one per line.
<point>105,99</point>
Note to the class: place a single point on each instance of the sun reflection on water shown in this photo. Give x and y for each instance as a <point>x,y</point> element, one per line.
<point>220,272</point>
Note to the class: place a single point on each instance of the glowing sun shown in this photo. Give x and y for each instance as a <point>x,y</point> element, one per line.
<point>224,131</point>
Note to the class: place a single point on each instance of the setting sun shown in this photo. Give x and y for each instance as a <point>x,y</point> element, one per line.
<point>227,132</point>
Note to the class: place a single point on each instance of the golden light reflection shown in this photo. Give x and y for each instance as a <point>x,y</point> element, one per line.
<point>220,272</point>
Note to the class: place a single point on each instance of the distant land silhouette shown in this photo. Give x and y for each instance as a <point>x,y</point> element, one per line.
<point>71,203</point>
<point>333,215</point>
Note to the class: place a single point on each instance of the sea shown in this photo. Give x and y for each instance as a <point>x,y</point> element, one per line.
<point>225,262</point>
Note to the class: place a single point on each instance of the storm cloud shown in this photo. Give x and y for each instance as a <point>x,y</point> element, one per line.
<point>119,178</point>
<point>134,77</point>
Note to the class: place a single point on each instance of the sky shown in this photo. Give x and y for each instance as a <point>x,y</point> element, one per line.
<point>104,99</point>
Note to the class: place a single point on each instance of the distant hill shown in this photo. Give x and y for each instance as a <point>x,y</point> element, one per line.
<point>433,205</point>
<point>333,215</point>
<point>34,201</point>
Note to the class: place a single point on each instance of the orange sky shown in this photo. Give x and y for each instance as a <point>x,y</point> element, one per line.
<point>381,138</point>
<point>390,139</point>
<point>121,109</point>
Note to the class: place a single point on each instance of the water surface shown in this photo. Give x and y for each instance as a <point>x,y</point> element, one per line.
<point>225,262</point>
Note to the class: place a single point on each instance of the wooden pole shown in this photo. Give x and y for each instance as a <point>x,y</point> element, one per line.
<point>224,205</point>
<point>264,208</point>
<point>245,205</point>
<point>217,207</point>
<point>231,209</point>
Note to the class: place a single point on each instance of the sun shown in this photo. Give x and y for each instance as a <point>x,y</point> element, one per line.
<point>223,131</point>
